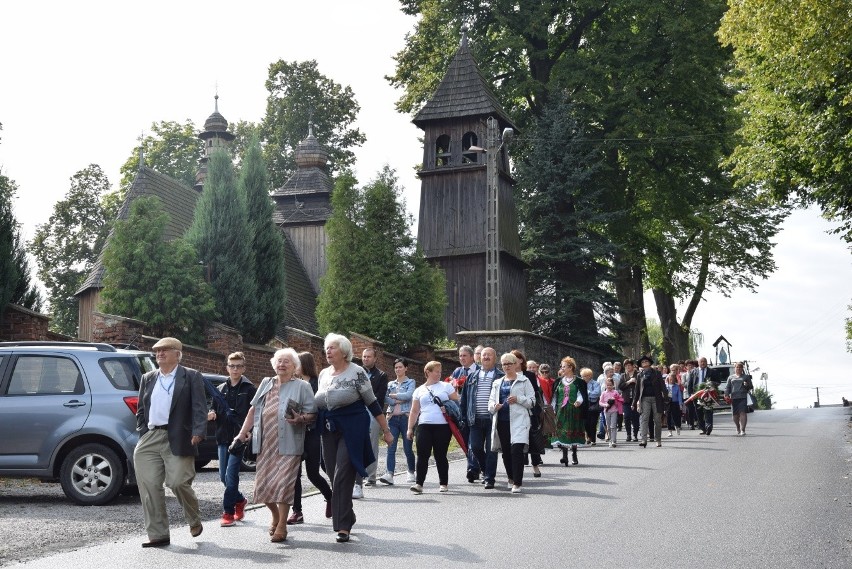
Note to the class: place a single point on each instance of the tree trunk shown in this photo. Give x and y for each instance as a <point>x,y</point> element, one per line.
<point>675,337</point>
<point>631,309</point>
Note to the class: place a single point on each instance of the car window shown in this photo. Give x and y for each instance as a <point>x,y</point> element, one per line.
<point>121,373</point>
<point>45,375</point>
<point>147,363</point>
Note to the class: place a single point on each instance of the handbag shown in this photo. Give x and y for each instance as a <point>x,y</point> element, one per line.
<point>751,404</point>
<point>547,417</point>
<point>538,442</point>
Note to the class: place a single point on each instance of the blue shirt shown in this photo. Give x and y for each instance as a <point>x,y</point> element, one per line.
<point>403,391</point>
<point>594,389</point>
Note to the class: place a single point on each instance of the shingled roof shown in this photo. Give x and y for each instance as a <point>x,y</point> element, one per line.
<point>301,299</point>
<point>463,92</point>
<point>178,201</point>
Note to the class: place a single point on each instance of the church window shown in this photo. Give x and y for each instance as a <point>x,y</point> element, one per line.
<point>442,151</point>
<point>469,139</point>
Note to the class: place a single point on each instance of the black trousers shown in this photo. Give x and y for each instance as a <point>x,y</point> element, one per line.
<point>513,454</point>
<point>433,440</point>
<point>342,475</point>
<point>313,450</point>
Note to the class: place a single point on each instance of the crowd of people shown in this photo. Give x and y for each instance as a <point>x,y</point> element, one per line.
<point>333,420</point>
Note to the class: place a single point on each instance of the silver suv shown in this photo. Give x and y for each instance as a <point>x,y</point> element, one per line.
<point>68,414</point>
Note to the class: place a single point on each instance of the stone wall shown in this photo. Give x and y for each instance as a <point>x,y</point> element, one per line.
<point>535,347</point>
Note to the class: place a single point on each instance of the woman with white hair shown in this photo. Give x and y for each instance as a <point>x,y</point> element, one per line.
<point>346,400</point>
<point>281,409</point>
<point>512,396</point>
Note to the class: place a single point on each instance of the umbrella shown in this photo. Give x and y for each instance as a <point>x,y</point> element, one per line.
<point>455,430</point>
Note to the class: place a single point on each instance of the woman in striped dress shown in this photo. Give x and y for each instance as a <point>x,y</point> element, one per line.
<point>567,399</point>
<point>280,411</point>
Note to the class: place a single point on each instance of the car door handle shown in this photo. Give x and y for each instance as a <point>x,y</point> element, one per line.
<point>74,403</point>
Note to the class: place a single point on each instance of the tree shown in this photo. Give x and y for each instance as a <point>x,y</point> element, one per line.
<point>795,82</point>
<point>645,83</point>
<point>762,398</point>
<point>173,149</point>
<point>378,282</point>
<point>154,281</point>
<point>69,243</point>
<point>300,94</point>
<point>267,246</point>
<point>15,273</point>
<point>562,231</point>
<point>221,236</point>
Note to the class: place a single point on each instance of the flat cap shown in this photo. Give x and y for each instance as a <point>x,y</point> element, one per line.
<point>168,343</point>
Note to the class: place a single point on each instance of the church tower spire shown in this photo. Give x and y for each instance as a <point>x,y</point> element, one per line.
<point>216,137</point>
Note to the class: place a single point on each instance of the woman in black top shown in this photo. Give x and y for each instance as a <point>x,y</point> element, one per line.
<point>313,451</point>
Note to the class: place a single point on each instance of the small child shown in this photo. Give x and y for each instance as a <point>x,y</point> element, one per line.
<point>611,402</point>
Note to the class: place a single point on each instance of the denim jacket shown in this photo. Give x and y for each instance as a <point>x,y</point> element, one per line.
<point>468,396</point>
<point>403,391</point>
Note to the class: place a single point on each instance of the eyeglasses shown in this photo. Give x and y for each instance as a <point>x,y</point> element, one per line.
<point>236,366</point>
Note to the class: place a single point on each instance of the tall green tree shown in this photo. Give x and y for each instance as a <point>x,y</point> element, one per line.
<point>172,148</point>
<point>15,274</point>
<point>220,234</point>
<point>300,94</point>
<point>562,234</point>
<point>154,281</point>
<point>795,85</point>
<point>69,243</point>
<point>645,81</point>
<point>267,246</point>
<point>378,282</point>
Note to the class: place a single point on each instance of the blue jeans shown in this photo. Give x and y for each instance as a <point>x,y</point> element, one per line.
<point>480,446</point>
<point>398,425</point>
<point>229,474</point>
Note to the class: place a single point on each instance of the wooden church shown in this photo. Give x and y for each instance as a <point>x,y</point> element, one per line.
<point>472,237</point>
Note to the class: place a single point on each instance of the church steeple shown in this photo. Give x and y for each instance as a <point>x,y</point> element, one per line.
<point>215,137</point>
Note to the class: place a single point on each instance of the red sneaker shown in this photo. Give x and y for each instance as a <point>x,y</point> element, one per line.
<point>240,509</point>
<point>227,520</point>
<point>296,518</point>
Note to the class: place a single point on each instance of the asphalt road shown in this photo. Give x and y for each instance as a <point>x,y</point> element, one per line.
<point>779,497</point>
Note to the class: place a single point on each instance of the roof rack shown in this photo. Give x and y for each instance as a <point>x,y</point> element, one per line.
<point>36,343</point>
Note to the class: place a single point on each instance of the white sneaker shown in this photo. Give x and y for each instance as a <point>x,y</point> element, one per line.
<point>442,488</point>
<point>417,489</point>
<point>516,489</point>
<point>671,434</point>
<point>412,477</point>
<point>678,430</point>
<point>387,478</point>
<point>357,492</point>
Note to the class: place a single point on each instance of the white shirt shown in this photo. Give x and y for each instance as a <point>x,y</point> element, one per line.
<point>161,399</point>
<point>430,414</point>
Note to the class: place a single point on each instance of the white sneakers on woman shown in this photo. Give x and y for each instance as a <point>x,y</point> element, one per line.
<point>516,489</point>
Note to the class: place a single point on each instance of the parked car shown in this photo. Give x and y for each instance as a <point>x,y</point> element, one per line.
<point>68,414</point>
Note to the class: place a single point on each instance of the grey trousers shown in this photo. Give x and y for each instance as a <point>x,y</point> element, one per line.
<point>375,432</point>
<point>649,405</point>
<point>342,475</point>
<point>155,464</point>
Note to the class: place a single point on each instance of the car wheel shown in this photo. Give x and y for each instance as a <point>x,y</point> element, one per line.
<point>92,475</point>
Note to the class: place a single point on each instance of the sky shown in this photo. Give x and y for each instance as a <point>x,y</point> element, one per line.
<point>80,81</point>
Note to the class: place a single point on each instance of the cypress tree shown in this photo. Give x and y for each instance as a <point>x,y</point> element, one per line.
<point>220,234</point>
<point>154,281</point>
<point>378,282</point>
<point>267,244</point>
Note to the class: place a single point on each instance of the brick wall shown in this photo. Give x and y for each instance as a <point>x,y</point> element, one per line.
<point>19,324</point>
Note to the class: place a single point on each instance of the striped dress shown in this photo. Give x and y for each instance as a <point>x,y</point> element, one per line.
<point>570,427</point>
<point>275,478</point>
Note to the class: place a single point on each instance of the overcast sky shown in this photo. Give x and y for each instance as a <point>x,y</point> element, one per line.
<point>81,81</point>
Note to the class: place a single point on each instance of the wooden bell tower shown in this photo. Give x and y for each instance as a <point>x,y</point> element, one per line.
<point>468,225</point>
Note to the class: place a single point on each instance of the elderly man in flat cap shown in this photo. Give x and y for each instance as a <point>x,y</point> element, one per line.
<point>172,420</point>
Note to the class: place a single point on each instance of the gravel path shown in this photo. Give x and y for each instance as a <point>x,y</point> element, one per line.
<point>36,519</point>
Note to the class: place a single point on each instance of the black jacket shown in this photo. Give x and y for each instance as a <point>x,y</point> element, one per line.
<point>379,381</point>
<point>239,401</point>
